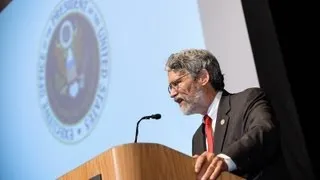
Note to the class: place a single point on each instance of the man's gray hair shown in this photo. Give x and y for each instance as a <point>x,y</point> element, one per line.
<point>193,61</point>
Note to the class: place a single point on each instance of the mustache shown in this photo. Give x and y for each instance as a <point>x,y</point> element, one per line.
<point>178,99</point>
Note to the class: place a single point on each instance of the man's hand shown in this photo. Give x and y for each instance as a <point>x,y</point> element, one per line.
<point>209,166</point>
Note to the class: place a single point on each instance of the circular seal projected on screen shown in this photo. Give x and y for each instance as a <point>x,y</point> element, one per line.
<point>73,70</point>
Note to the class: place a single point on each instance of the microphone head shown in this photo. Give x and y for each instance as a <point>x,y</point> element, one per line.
<point>156,116</point>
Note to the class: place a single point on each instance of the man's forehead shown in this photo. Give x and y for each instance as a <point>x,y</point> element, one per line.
<point>173,75</point>
<point>177,72</point>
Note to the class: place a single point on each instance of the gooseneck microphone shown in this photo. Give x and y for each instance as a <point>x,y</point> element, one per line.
<point>154,116</point>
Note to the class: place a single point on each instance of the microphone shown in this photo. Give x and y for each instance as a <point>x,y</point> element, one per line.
<point>153,116</point>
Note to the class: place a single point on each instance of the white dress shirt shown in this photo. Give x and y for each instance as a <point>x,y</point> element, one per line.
<point>212,112</point>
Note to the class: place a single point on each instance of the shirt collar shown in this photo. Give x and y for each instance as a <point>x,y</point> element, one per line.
<point>213,108</point>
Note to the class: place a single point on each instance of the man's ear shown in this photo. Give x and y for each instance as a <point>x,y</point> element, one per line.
<point>203,77</point>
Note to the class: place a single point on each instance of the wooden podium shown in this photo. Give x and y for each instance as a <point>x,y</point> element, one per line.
<point>139,161</point>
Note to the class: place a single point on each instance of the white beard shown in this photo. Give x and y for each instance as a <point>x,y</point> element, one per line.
<point>193,105</point>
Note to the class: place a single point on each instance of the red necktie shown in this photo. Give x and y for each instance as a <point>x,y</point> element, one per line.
<point>209,133</point>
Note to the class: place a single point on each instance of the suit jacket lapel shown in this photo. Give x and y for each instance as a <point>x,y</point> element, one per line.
<point>199,141</point>
<point>222,122</point>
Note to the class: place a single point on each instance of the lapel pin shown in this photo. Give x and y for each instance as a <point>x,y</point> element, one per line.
<point>222,121</point>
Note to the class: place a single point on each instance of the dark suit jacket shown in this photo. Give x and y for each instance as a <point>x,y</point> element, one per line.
<point>249,135</point>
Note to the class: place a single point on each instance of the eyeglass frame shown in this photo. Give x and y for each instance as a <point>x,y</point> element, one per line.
<point>175,84</point>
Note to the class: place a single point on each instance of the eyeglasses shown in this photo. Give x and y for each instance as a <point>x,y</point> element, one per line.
<point>175,84</point>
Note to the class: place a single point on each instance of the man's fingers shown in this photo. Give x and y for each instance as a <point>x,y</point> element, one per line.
<point>211,168</point>
<point>200,160</point>
<point>195,156</point>
<point>217,170</point>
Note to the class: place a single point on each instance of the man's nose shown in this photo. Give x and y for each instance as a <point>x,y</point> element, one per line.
<point>173,92</point>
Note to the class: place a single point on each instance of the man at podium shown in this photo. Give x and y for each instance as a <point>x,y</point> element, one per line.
<point>239,132</point>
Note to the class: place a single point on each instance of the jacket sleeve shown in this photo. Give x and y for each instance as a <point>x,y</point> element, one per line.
<point>260,139</point>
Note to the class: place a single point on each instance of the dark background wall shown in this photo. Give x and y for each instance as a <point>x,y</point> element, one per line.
<point>282,44</point>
